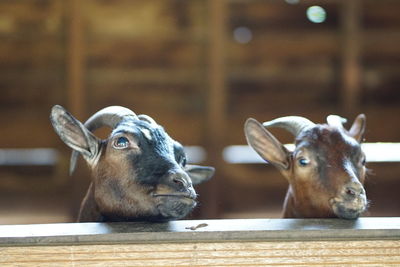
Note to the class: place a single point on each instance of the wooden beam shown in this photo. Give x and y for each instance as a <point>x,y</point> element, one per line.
<point>76,97</point>
<point>188,231</point>
<point>289,242</point>
<point>351,53</point>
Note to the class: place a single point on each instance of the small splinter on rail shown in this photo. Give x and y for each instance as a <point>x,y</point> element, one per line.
<point>197,226</point>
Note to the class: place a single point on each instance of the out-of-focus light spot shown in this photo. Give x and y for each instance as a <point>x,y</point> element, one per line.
<point>34,156</point>
<point>242,35</point>
<point>316,14</point>
<point>292,2</point>
<point>195,154</point>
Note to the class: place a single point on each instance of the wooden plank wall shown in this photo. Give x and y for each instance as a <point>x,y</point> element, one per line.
<point>167,59</point>
<point>312,253</point>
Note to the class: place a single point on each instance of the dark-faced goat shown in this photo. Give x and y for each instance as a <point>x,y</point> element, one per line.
<point>138,173</point>
<point>326,170</point>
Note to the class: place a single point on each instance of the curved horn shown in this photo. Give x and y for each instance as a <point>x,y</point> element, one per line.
<point>109,116</point>
<point>147,118</point>
<point>335,120</point>
<point>293,124</point>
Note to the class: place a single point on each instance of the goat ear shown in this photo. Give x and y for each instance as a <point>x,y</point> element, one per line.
<point>199,174</point>
<point>73,133</point>
<point>358,128</point>
<point>265,144</point>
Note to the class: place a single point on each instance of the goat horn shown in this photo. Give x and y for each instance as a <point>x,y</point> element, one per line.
<point>109,116</point>
<point>147,118</point>
<point>335,120</point>
<point>293,124</point>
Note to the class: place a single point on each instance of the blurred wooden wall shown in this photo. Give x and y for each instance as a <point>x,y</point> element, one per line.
<point>179,62</point>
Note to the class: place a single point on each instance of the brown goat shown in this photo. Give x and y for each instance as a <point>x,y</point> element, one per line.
<point>138,173</point>
<point>326,170</point>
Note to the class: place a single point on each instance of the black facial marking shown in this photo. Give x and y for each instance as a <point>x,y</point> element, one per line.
<point>159,153</point>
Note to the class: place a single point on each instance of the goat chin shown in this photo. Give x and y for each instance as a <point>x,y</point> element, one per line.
<point>349,209</point>
<point>174,208</point>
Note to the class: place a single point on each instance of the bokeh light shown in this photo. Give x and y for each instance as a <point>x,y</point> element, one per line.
<point>242,35</point>
<point>292,2</point>
<point>316,14</point>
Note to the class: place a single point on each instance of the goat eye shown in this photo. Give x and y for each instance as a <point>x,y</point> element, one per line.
<point>183,161</point>
<point>121,142</point>
<point>303,162</point>
<point>363,161</point>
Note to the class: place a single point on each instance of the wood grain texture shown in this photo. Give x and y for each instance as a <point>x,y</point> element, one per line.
<point>315,253</point>
<point>254,242</point>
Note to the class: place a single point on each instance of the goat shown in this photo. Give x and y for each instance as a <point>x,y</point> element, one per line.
<point>138,173</point>
<point>326,170</point>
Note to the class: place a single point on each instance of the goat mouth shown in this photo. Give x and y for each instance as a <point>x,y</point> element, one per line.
<point>348,209</point>
<point>175,195</point>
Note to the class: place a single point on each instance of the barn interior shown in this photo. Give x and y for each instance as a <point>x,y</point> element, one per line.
<point>200,68</point>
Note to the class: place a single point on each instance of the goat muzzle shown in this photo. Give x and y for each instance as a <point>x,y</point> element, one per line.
<point>351,202</point>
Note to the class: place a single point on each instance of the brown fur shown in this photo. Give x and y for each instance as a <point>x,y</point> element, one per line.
<point>115,190</point>
<point>89,211</point>
<point>307,195</point>
<point>321,188</point>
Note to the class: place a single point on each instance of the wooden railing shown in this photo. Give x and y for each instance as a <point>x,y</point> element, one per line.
<point>254,242</point>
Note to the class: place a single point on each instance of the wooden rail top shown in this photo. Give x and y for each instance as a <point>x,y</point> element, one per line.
<point>370,228</point>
